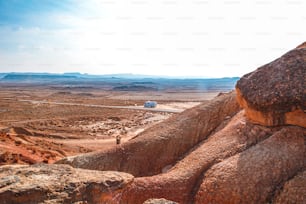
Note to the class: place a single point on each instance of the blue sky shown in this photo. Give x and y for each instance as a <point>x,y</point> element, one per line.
<point>161,37</point>
<point>29,13</point>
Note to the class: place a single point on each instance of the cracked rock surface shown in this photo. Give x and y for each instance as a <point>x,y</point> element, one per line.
<point>42,183</point>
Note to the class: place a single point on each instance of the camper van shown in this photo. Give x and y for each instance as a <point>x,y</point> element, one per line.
<point>150,104</point>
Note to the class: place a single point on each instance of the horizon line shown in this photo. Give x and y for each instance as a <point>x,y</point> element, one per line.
<point>123,74</point>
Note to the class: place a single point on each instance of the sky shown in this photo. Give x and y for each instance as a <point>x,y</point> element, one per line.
<point>192,38</point>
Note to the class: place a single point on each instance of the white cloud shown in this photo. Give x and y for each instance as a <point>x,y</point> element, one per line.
<point>198,38</point>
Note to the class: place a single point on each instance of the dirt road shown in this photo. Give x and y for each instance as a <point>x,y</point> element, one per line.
<point>104,106</point>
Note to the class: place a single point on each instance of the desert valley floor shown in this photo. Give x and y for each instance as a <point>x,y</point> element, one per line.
<point>44,124</point>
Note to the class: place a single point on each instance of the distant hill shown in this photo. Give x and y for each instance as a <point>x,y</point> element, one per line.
<point>121,82</point>
<point>2,75</point>
<point>34,77</point>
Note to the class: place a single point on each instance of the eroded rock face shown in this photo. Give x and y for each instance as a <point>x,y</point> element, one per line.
<point>254,175</point>
<point>179,183</point>
<point>294,191</point>
<point>163,143</point>
<point>275,93</point>
<point>42,183</point>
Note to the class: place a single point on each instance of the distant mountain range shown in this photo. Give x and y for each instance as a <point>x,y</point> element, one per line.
<point>119,82</point>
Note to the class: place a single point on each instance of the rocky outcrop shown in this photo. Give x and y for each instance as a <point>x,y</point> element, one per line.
<point>303,45</point>
<point>254,175</point>
<point>162,144</point>
<point>44,183</point>
<point>179,183</point>
<point>294,191</point>
<point>275,93</point>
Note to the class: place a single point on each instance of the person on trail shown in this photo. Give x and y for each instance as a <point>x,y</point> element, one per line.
<point>118,139</point>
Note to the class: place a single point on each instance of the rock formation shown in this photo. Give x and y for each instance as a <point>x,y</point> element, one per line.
<point>42,183</point>
<point>293,191</point>
<point>180,181</point>
<point>254,175</point>
<point>275,93</point>
<point>303,45</point>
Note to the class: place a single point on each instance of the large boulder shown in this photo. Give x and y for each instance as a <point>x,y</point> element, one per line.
<point>42,183</point>
<point>275,93</point>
